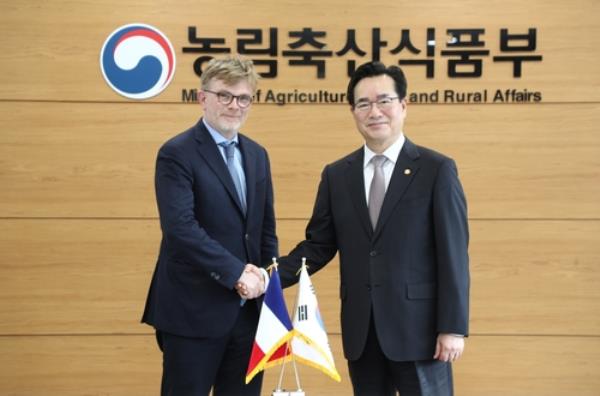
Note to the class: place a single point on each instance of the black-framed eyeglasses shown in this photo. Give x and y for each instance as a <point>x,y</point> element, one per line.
<point>382,103</point>
<point>226,98</point>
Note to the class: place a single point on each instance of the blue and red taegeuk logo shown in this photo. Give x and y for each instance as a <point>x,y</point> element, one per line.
<point>137,61</point>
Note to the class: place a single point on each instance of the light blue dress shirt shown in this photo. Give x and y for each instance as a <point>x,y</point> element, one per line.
<point>218,138</point>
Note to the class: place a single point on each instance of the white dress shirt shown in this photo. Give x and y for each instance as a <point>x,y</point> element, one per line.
<point>391,155</point>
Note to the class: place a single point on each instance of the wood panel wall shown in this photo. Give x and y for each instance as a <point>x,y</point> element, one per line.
<point>78,222</point>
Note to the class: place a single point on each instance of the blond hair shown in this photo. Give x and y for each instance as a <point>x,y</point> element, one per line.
<point>230,70</point>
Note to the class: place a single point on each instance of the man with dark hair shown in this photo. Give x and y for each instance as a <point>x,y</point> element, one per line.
<point>397,215</point>
<point>215,200</point>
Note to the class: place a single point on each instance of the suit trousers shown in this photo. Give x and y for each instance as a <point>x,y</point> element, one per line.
<point>192,366</point>
<point>373,374</point>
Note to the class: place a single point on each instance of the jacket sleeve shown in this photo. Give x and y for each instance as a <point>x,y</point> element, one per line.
<point>269,241</point>
<point>320,245</point>
<point>451,241</point>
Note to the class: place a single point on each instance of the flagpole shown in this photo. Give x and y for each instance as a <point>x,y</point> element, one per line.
<point>279,391</point>
<point>279,383</point>
<point>293,358</point>
<point>296,374</point>
<point>298,387</point>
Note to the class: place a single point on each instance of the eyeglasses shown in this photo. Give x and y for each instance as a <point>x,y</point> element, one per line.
<point>383,103</point>
<point>226,98</point>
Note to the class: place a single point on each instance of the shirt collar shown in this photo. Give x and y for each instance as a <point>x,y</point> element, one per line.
<point>217,137</point>
<point>391,153</point>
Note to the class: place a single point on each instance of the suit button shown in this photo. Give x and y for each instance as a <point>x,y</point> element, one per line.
<point>247,237</point>
<point>373,253</point>
<point>368,287</point>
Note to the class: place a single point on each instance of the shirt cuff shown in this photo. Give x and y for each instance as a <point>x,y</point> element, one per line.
<point>265,277</point>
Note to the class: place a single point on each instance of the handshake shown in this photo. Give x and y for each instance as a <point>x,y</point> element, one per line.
<point>251,284</point>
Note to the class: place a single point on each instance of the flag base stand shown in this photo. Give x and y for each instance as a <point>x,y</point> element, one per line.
<point>283,392</point>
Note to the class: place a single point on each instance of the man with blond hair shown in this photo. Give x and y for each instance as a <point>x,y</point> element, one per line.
<point>215,200</point>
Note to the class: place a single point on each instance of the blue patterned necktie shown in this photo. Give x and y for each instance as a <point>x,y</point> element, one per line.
<point>230,155</point>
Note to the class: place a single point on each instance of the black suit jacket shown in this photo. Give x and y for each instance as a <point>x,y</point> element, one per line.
<point>206,239</point>
<point>411,272</point>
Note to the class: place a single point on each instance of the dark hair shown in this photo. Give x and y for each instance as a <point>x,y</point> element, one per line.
<point>374,69</point>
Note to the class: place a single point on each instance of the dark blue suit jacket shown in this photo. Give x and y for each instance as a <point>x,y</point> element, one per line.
<point>206,239</point>
<point>412,272</point>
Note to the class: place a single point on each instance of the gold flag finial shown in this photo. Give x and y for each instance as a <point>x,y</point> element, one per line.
<point>274,265</point>
<point>302,266</point>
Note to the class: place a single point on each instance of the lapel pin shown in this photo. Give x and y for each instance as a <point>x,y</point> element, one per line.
<point>407,171</point>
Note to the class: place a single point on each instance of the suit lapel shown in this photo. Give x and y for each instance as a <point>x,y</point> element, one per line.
<point>210,152</point>
<point>404,171</point>
<point>249,159</point>
<point>356,185</point>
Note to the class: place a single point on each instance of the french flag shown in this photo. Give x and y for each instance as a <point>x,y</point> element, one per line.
<point>273,332</point>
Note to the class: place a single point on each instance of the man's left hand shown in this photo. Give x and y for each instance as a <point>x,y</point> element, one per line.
<point>449,347</point>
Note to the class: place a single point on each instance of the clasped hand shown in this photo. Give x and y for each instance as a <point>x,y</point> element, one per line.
<point>251,284</point>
